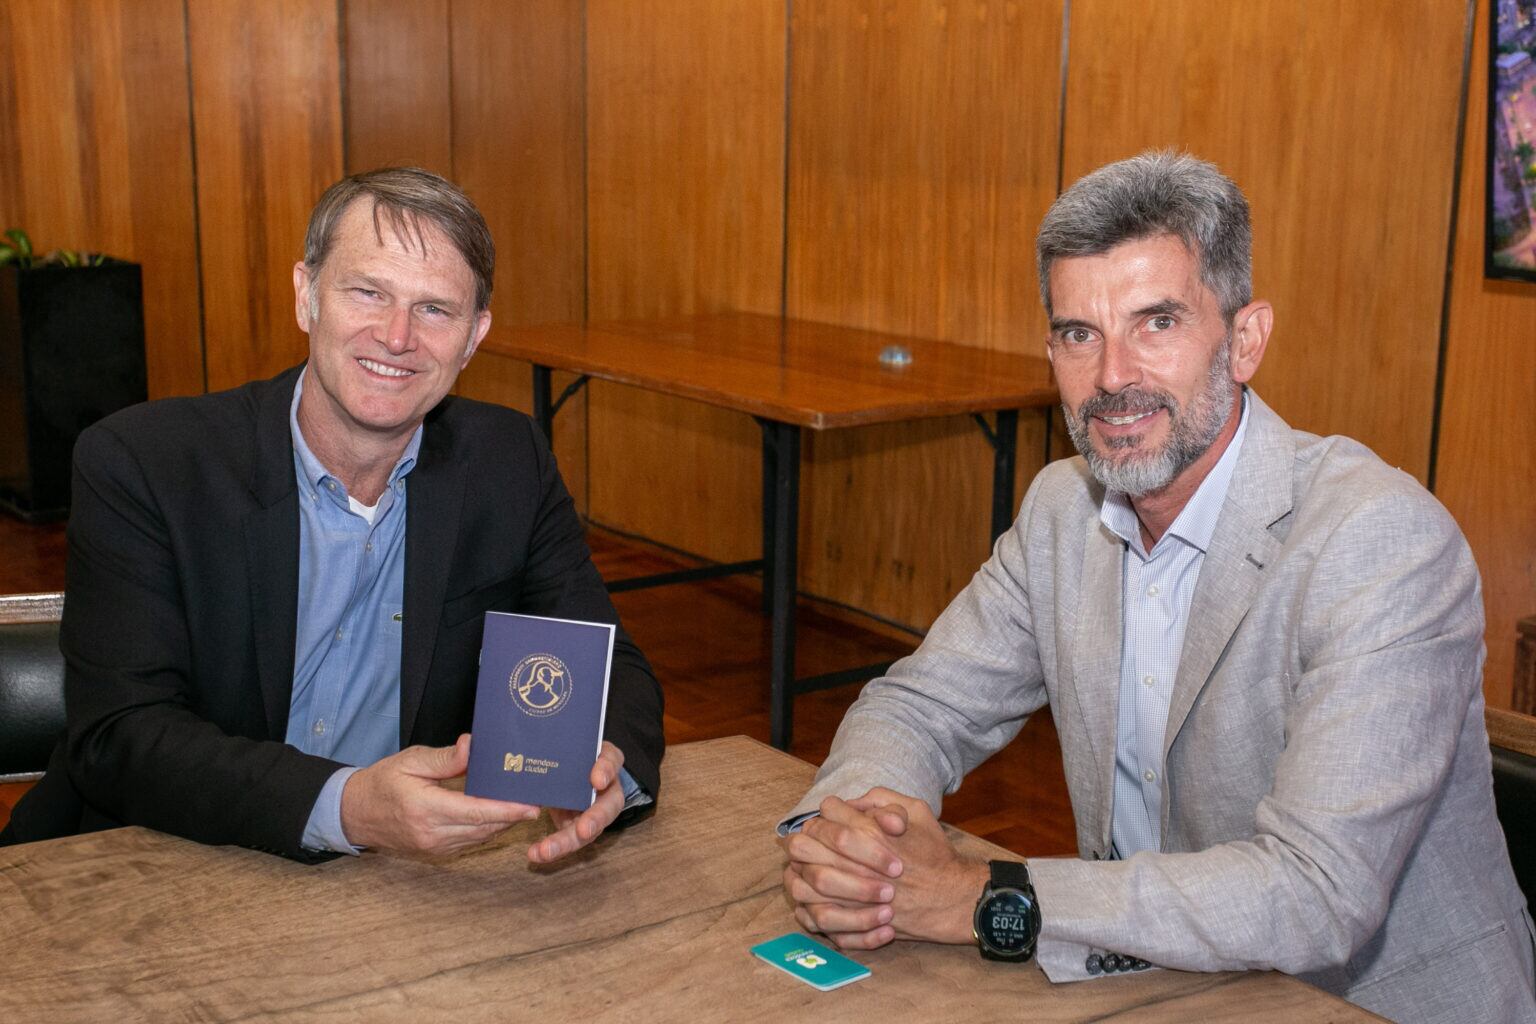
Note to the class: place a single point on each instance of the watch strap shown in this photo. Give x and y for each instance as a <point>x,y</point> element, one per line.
<point>1011,874</point>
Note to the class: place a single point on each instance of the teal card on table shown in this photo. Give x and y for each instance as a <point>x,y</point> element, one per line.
<point>817,965</point>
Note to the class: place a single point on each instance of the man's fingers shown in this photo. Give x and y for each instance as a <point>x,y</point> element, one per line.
<point>804,850</point>
<point>825,885</point>
<point>445,808</point>
<point>434,762</point>
<point>840,885</point>
<point>880,796</point>
<point>882,936</point>
<point>872,939</point>
<point>576,832</point>
<point>835,918</point>
<point>854,838</point>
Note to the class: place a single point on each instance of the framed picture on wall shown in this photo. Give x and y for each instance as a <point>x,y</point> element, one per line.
<point>1510,217</point>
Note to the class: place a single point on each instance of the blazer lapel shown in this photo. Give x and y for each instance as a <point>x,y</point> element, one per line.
<point>1242,546</point>
<point>434,499</point>
<point>1097,636</point>
<point>272,552</point>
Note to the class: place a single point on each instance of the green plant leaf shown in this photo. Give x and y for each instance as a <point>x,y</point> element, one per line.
<point>22,243</point>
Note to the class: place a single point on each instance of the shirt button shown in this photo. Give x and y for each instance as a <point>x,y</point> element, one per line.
<point>368,546</point>
<point>320,728</point>
<point>338,634</point>
<point>330,484</point>
<point>1152,590</point>
<point>1149,775</point>
<point>1150,680</point>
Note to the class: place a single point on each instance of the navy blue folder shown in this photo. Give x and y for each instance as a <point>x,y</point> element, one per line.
<point>539,708</point>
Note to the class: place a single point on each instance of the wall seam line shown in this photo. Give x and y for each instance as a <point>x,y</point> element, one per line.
<point>1442,354</point>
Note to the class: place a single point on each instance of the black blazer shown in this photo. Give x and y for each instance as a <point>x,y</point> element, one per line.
<point>182,599</point>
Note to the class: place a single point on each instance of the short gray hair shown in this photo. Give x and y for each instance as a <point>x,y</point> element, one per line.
<point>402,196</point>
<point>1158,192</point>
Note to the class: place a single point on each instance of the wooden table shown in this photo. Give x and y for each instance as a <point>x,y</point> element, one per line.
<point>791,375</point>
<point>652,924</point>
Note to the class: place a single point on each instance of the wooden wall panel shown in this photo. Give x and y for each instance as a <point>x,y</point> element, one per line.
<point>396,91</point>
<point>267,83</point>
<point>518,124</point>
<point>922,155</point>
<point>1339,122</point>
<point>1487,456</point>
<point>685,198</point>
<point>99,156</point>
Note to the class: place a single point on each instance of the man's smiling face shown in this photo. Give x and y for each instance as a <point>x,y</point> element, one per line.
<point>391,322</point>
<point>1142,356</point>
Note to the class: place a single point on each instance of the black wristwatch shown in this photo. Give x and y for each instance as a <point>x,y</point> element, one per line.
<point>1007,919</point>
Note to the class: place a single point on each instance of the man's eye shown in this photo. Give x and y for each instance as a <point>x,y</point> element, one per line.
<point>1161,322</point>
<point>367,293</point>
<point>1076,336</point>
<point>434,311</point>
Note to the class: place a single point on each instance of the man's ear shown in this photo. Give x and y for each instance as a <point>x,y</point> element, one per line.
<point>482,325</point>
<point>302,283</point>
<point>1250,334</point>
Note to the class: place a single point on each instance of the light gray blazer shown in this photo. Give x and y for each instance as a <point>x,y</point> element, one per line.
<point>1328,808</point>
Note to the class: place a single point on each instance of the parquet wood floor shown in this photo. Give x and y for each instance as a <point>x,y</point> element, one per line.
<point>709,645</point>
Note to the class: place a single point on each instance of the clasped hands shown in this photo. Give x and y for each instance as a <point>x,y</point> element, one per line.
<point>398,803</point>
<point>879,868</point>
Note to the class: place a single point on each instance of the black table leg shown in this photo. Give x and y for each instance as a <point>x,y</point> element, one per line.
<point>1005,444</point>
<point>770,504</point>
<point>543,410</point>
<point>782,570</point>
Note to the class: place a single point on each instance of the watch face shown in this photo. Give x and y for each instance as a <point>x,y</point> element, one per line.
<point>1008,921</point>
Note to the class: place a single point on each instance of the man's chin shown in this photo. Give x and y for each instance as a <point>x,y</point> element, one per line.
<point>381,418</point>
<point>1135,474</point>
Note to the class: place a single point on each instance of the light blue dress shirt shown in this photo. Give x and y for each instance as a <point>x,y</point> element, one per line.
<point>1157,587</point>
<point>346,667</point>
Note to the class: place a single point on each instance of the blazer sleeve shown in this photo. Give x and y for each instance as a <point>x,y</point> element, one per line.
<point>1390,643</point>
<point>560,581</point>
<point>954,702</point>
<point>138,750</point>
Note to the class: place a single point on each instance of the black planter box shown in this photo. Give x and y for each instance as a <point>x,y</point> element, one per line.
<point>71,351</point>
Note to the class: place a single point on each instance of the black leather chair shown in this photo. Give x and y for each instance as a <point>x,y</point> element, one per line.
<point>1512,737</point>
<point>31,684</point>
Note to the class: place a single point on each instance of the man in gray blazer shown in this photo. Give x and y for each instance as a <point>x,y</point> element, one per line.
<point>1262,650</point>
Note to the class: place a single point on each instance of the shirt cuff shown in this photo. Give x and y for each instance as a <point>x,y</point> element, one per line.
<point>323,831</point>
<point>634,794</point>
<point>794,824</point>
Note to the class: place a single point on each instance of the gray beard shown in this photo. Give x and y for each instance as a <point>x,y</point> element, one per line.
<point>1137,471</point>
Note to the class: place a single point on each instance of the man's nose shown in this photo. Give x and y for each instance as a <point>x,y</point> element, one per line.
<point>1118,367</point>
<point>394,330</point>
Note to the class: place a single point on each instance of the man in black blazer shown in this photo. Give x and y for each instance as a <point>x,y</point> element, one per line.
<point>184,595</point>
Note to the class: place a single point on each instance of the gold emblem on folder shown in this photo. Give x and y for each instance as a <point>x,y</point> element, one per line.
<point>513,763</point>
<point>540,685</point>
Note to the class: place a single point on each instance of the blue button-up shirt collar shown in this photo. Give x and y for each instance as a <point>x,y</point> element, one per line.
<point>316,480</point>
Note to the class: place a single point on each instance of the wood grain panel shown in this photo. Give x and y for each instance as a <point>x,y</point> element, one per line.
<point>1339,122</point>
<point>921,158</point>
<point>267,82</point>
<point>96,133</point>
<point>396,88</point>
<point>1487,457</point>
<point>685,203</point>
<point>518,113</point>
